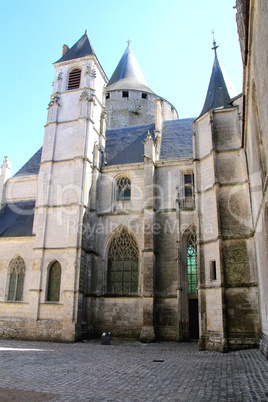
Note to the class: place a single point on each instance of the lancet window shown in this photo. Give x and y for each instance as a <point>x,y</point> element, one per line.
<point>54,278</point>
<point>123,189</point>
<point>16,279</point>
<point>123,265</point>
<point>191,262</point>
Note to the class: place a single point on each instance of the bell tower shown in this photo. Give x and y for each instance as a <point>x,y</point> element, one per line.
<point>73,138</point>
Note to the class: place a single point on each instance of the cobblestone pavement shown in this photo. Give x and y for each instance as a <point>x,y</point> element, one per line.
<point>128,371</point>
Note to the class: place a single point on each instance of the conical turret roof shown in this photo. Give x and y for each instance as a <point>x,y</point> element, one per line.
<point>128,75</point>
<point>217,94</point>
<point>81,48</point>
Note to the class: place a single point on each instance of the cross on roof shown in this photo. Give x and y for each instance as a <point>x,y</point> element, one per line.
<point>214,44</point>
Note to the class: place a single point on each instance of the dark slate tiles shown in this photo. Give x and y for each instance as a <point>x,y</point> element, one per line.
<point>124,145</point>
<point>81,48</point>
<point>32,166</point>
<point>217,93</point>
<point>177,140</point>
<point>16,219</point>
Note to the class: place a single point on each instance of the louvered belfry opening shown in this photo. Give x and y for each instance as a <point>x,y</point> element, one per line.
<point>74,79</point>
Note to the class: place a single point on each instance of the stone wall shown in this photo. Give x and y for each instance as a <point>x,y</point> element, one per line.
<point>252,17</point>
<point>153,219</point>
<point>228,282</point>
<point>134,110</point>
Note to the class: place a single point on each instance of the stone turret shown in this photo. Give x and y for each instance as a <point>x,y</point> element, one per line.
<point>129,100</point>
<point>217,93</point>
<point>228,294</point>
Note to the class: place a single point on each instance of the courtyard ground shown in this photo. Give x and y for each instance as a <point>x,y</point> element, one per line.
<point>129,371</point>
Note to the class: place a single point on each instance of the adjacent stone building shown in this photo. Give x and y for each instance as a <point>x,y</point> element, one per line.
<point>252,17</point>
<point>133,221</point>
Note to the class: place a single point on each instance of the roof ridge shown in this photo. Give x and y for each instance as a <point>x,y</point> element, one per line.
<point>81,48</point>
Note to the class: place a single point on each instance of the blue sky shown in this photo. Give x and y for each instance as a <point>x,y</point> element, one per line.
<point>171,40</point>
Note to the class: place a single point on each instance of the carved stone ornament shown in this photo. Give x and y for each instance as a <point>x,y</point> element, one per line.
<point>148,138</point>
<point>60,76</point>
<point>54,99</point>
<point>85,96</point>
<point>91,71</point>
<point>103,113</point>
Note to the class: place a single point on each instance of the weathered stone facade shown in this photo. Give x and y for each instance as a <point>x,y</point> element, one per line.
<point>223,199</point>
<point>132,221</point>
<point>252,28</point>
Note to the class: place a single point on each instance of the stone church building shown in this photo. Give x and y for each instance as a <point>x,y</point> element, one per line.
<point>133,221</point>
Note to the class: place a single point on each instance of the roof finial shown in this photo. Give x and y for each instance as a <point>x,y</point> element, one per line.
<point>214,44</point>
<point>128,42</point>
<point>86,32</point>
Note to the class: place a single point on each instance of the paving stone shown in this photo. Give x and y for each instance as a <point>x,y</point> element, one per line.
<point>129,371</point>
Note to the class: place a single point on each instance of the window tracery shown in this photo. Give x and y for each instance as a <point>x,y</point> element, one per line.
<point>191,262</point>
<point>123,262</point>
<point>16,279</point>
<point>123,189</point>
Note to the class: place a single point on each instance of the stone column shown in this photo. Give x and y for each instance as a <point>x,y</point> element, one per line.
<point>147,333</point>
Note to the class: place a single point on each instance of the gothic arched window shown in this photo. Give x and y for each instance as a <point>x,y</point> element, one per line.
<point>53,286</point>
<point>16,272</point>
<point>123,265</point>
<point>74,79</point>
<point>191,262</point>
<point>123,189</point>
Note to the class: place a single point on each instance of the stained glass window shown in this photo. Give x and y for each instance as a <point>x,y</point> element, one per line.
<point>16,279</point>
<point>123,263</point>
<point>192,263</point>
<point>123,189</point>
<point>54,276</point>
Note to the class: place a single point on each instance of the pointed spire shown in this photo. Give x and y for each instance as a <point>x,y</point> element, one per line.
<point>128,75</point>
<point>217,94</point>
<point>81,48</point>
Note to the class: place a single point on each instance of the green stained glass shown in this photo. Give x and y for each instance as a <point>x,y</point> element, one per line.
<point>192,263</point>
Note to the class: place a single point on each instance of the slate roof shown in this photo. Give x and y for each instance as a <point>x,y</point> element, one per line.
<point>217,94</point>
<point>128,75</point>
<point>81,48</point>
<point>125,145</point>
<point>16,219</point>
<point>177,139</point>
<point>32,166</point>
